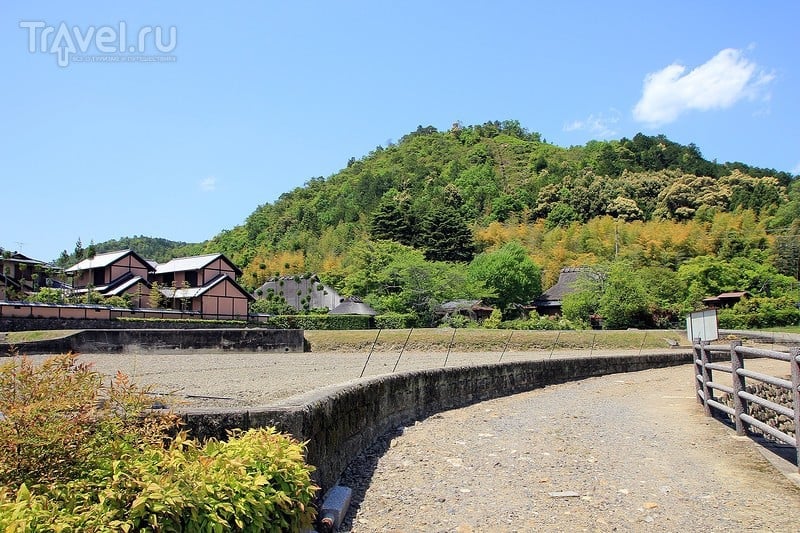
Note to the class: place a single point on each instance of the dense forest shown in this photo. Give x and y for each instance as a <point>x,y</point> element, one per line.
<point>433,216</point>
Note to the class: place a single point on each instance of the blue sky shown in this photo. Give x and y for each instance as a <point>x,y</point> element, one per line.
<point>223,108</point>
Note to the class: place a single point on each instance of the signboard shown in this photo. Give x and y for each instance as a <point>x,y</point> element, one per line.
<point>702,325</point>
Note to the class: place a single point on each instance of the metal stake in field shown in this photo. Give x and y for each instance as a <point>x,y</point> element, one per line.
<point>402,350</point>
<point>642,346</point>
<point>554,344</point>
<point>449,346</point>
<point>508,340</point>
<point>370,353</point>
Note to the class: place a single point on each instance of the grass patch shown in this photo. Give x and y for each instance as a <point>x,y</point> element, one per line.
<point>478,340</point>
<point>16,337</point>
<point>786,329</point>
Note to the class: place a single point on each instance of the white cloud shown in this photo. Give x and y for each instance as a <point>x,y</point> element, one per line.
<point>796,170</point>
<point>599,125</point>
<point>723,80</point>
<point>209,184</point>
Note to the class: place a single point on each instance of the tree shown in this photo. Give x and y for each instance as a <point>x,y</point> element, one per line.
<point>446,236</point>
<point>579,306</point>
<point>156,297</point>
<point>78,250</point>
<point>624,302</point>
<point>91,251</point>
<point>396,278</point>
<point>393,220</point>
<point>787,250</point>
<point>562,215</point>
<point>510,274</point>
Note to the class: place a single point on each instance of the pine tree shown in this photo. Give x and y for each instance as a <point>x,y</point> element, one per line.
<point>393,221</point>
<point>445,236</point>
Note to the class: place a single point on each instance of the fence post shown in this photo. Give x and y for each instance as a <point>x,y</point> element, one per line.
<point>698,371</point>
<point>796,400</point>
<point>739,404</point>
<point>706,373</point>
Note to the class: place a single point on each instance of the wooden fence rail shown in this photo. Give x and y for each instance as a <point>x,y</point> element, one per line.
<point>704,367</point>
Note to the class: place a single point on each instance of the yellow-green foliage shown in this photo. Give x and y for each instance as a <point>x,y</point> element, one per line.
<point>84,465</point>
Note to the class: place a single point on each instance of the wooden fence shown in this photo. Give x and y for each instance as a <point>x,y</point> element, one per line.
<point>704,366</point>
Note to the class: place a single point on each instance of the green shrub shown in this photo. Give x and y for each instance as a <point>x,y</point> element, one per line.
<point>457,321</point>
<point>755,313</point>
<point>494,320</point>
<point>79,456</point>
<point>47,295</point>
<point>396,321</point>
<point>536,322</point>
<point>315,321</point>
<point>124,302</point>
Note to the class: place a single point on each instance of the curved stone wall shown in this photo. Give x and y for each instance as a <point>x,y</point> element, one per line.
<point>340,421</point>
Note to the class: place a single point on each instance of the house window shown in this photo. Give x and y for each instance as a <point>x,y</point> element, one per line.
<point>168,278</point>
<point>99,277</point>
<point>191,278</point>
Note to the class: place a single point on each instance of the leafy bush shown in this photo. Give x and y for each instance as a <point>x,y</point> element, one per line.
<point>78,456</point>
<point>754,313</point>
<point>47,418</point>
<point>124,301</point>
<point>396,321</point>
<point>494,320</point>
<point>320,321</point>
<point>47,295</point>
<point>536,322</point>
<point>457,321</point>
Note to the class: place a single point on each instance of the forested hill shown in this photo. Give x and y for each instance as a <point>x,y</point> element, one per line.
<point>152,248</point>
<point>449,193</point>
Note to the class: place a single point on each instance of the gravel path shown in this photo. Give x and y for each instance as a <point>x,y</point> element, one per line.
<point>627,452</point>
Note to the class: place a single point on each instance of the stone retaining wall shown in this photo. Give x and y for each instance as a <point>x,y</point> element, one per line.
<point>140,340</point>
<point>340,421</point>
<point>770,392</point>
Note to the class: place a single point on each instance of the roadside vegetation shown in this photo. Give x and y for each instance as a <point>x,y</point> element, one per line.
<point>80,455</point>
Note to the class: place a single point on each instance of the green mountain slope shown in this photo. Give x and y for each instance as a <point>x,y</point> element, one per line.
<point>500,172</point>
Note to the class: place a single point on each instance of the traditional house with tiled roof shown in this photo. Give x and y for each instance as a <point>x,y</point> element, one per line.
<point>472,309</point>
<point>113,274</point>
<point>353,306</point>
<point>550,301</point>
<point>19,274</point>
<point>205,284</point>
<point>726,299</point>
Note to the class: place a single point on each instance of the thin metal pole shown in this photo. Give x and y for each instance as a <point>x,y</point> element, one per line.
<point>506,346</point>
<point>449,346</point>
<point>402,350</point>
<point>591,350</point>
<point>642,346</point>
<point>552,349</point>
<point>370,353</point>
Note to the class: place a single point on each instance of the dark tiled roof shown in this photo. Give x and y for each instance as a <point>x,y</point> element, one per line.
<point>564,286</point>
